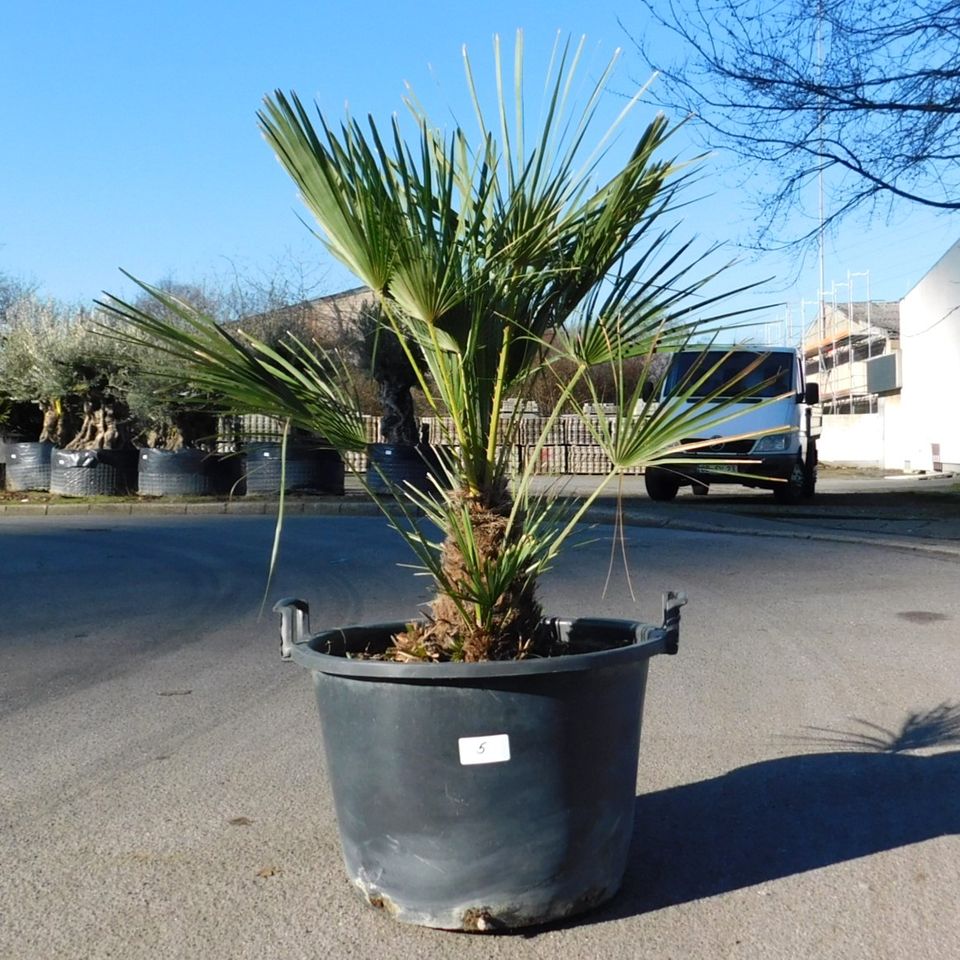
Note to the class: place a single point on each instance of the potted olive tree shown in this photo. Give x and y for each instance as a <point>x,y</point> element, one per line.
<point>99,458</point>
<point>176,438</point>
<point>403,454</point>
<point>482,755</point>
<point>40,335</point>
<point>303,461</point>
<point>15,417</point>
<point>54,359</point>
<point>175,426</point>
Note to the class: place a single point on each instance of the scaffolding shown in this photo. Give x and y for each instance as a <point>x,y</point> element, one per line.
<point>844,336</point>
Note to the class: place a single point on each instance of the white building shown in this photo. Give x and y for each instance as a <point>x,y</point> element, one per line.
<point>930,367</point>
<point>886,373</point>
<point>841,351</point>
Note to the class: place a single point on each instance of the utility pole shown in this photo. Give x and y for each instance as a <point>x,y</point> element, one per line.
<point>823,318</point>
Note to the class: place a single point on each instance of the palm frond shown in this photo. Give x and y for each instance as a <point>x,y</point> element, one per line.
<point>294,382</point>
<point>492,259</point>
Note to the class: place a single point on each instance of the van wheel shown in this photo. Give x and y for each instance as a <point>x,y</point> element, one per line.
<point>701,489</point>
<point>660,484</point>
<point>792,490</point>
<point>810,471</point>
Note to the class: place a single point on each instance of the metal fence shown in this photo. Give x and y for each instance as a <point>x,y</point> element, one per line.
<point>569,446</point>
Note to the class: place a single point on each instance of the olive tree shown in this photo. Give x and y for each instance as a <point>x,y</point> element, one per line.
<point>52,357</point>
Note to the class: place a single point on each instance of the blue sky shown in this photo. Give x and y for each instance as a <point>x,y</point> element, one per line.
<point>130,140</point>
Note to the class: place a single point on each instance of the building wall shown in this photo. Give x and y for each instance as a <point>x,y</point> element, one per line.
<point>851,440</point>
<point>894,433</point>
<point>867,439</point>
<point>845,378</point>
<point>930,344</point>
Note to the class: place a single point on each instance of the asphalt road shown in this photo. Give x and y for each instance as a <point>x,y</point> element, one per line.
<point>162,792</point>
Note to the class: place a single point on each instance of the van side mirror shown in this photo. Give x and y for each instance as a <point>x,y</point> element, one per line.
<point>646,391</point>
<point>812,395</point>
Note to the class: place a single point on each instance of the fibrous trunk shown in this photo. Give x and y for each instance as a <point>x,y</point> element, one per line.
<point>455,629</point>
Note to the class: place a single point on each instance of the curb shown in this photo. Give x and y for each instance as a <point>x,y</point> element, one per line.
<point>819,534</point>
<point>332,506</point>
<point>359,506</point>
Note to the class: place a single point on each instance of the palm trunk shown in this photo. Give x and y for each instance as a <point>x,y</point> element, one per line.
<point>453,632</point>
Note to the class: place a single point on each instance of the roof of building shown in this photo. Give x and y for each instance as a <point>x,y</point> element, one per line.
<point>882,314</point>
<point>330,318</point>
<point>858,319</point>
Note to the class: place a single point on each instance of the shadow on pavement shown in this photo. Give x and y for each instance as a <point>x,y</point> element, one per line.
<point>786,816</point>
<point>937,503</point>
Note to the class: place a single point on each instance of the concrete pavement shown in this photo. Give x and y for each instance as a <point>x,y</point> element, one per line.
<point>163,794</point>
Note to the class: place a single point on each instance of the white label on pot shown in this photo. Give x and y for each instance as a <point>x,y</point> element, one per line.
<point>495,749</point>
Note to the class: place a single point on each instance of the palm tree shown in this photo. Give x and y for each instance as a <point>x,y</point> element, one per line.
<point>491,262</point>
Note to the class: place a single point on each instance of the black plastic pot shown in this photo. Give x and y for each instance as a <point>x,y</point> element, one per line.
<point>489,795</point>
<point>28,465</point>
<point>229,473</point>
<point>178,473</point>
<point>4,443</point>
<point>391,465</point>
<point>91,473</point>
<point>308,468</point>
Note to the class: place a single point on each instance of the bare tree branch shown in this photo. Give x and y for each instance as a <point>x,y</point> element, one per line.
<point>866,91</point>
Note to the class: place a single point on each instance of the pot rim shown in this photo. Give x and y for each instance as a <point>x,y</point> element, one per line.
<point>179,452</point>
<point>637,641</point>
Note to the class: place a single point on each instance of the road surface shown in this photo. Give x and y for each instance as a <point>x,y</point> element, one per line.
<point>163,793</point>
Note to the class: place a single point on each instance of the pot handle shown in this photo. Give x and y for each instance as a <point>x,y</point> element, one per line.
<point>294,624</point>
<point>665,638</point>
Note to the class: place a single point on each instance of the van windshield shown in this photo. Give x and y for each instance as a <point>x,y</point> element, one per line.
<point>771,377</point>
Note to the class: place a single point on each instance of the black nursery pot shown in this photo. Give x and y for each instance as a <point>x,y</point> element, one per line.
<point>176,473</point>
<point>28,465</point>
<point>391,465</point>
<point>91,473</point>
<point>4,443</point>
<point>318,469</point>
<point>484,796</point>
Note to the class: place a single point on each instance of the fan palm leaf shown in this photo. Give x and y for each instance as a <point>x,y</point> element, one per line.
<point>490,259</point>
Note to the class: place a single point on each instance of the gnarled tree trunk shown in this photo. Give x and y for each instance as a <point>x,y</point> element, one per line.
<point>102,427</point>
<point>398,423</point>
<point>184,430</point>
<point>54,429</point>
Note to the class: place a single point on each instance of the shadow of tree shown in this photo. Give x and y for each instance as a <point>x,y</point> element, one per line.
<point>932,728</point>
<point>786,816</point>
